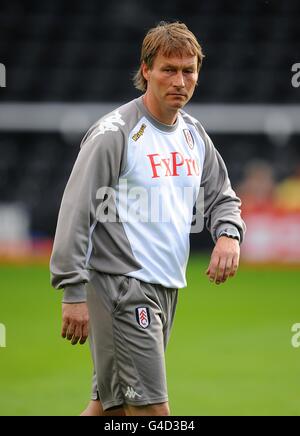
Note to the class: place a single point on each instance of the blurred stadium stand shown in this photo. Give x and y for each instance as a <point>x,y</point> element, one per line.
<point>87,52</point>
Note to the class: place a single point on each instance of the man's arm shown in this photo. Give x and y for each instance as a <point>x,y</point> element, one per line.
<point>223,214</point>
<point>98,165</point>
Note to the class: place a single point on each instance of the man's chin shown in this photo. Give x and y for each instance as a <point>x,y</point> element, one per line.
<point>178,105</point>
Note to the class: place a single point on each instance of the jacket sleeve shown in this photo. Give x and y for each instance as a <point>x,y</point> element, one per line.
<point>98,165</point>
<point>222,207</point>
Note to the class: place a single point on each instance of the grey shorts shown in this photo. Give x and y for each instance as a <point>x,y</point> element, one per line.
<point>130,325</point>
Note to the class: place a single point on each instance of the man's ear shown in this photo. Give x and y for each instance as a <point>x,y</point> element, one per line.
<point>145,71</point>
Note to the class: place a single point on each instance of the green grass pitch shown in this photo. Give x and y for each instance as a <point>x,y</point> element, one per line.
<point>230,352</point>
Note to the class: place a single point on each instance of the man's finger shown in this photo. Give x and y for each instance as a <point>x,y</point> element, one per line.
<point>85,334</point>
<point>221,270</point>
<point>70,332</point>
<point>228,269</point>
<point>213,267</point>
<point>64,329</point>
<point>235,265</point>
<point>77,335</point>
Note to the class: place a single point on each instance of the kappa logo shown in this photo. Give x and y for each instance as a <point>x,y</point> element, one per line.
<point>109,124</point>
<point>140,133</point>
<point>189,138</point>
<point>131,394</point>
<point>143,316</point>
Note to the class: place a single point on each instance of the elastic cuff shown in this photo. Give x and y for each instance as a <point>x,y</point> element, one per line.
<point>75,294</point>
<point>231,228</point>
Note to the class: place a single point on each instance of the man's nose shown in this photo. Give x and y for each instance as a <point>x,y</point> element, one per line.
<point>179,80</point>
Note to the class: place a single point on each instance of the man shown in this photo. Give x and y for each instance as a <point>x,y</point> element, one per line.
<point>120,273</point>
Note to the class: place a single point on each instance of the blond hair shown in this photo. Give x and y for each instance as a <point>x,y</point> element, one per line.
<point>169,39</point>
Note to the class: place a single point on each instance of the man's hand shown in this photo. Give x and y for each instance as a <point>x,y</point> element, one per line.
<point>224,260</point>
<point>75,323</point>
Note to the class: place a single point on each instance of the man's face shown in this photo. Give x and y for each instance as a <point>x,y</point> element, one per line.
<point>172,80</point>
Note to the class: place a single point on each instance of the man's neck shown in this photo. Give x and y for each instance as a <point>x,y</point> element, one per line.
<point>163,116</point>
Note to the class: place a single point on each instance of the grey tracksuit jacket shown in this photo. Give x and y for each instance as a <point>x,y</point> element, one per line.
<point>128,206</point>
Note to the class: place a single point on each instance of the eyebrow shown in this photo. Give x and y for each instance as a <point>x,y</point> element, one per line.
<point>176,66</point>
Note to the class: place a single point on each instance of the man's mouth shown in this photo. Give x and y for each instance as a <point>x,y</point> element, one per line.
<point>176,94</point>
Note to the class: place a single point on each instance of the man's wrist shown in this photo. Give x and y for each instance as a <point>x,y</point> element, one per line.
<point>229,232</point>
<point>75,294</point>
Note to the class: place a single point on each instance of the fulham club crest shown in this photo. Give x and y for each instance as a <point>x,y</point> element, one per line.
<point>189,138</point>
<point>143,316</point>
